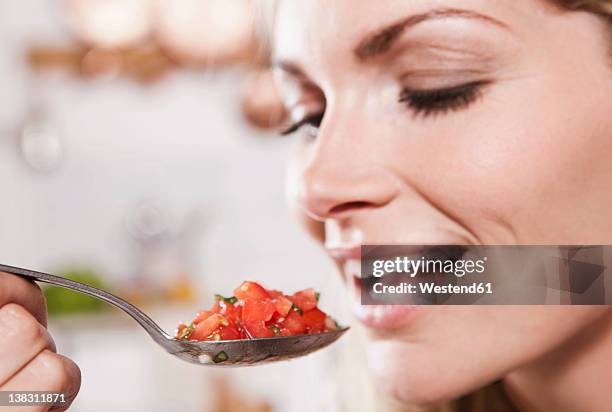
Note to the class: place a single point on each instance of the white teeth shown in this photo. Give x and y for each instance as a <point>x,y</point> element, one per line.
<point>337,235</point>
<point>352,267</point>
<point>333,233</point>
<point>352,270</point>
<point>377,313</point>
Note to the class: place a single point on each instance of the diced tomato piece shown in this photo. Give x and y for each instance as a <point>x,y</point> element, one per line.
<point>305,299</point>
<point>330,324</point>
<point>232,312</point>
<point>276,318</point>
<point>208,326</point>
<point>283,305</point>
<point>219,307</point>
<point>257,329</point>
<point>202,315</point>
<point>286,332</point>
<point>274,293</point>
<point>314,319</point>
<point>181,328</point>
<point>229,332</point>
<point>250,290</point>
<point>257,310</point>
<point>293,323</point>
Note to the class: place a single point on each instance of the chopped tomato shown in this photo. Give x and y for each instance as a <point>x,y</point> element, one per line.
<point>180,329</point>
<point>275,293</point>
<point>305,299</point>
<point>205,328</point>
<point>257,329</point>
<point>294,324</point>
<point>283,305</point>
<point>250,290</point>
<point>231,312</point>
<point>330,324</point>
<point>276,318</point>
<point>255,312</point>
<point>229,332</point>
<point>314,320</point>
<point>203,315</point>
<point>216,308</point>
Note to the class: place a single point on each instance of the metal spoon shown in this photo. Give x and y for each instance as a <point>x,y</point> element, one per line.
<point>244,352</point>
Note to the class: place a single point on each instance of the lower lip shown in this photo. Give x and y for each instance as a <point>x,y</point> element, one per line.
<point>376,316</point>
<point>384,316</point>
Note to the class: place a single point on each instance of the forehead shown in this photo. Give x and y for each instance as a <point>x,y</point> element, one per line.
<point>327,31</point>
<point>309,28</point>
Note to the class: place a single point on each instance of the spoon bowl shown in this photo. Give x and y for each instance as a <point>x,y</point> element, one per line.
<point>244,352</point>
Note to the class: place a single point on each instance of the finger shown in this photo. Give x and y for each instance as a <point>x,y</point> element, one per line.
<point>21,339</point>
<point>48,371</point>
<point>24,292</point>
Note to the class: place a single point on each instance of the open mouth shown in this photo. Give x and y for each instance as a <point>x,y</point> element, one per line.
<point>386,316</point>
<point>373,316</point>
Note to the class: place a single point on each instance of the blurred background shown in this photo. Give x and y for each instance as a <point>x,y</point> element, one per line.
<point>138,154</point>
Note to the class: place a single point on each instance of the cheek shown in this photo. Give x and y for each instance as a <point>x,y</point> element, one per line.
<point>536,168</point>
<point>505,163</point>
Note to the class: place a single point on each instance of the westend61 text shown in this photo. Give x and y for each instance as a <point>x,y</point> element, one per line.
<point>430,287</point>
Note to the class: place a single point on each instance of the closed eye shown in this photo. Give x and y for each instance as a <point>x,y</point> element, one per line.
<point>439,101</point>
<point>314,121</point>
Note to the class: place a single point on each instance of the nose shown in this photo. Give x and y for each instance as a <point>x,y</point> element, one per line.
<point>342,177</point>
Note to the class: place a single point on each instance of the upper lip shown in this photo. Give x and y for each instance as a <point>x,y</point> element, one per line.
<point>354,252</point>
<point>344,253</point>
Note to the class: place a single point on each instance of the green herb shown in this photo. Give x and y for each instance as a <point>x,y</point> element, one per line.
<point>187,331</point>
<point>231,300</point>
<point>275,329</point>
<point>220,357</point>
<point>297,309</point>
<point>317,295</point>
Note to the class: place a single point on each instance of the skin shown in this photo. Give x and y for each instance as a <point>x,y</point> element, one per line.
<point>525,162</point>
<point>29,358</point>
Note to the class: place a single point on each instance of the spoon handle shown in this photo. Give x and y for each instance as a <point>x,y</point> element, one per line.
<point>151,327</point>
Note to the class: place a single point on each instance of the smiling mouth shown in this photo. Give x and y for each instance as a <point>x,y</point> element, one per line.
<point>372,316</point>
<point>392,315</point>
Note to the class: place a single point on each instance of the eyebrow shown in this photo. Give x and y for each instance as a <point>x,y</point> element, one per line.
<point>380,41</point>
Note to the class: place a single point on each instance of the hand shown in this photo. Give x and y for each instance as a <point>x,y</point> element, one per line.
<point>28,358</point>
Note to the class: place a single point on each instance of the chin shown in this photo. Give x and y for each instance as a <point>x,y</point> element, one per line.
<point>413,375</point>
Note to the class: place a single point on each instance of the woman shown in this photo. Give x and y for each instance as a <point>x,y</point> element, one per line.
<point>445,122</point>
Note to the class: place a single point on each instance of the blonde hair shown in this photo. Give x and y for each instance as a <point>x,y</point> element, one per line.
<point>601,7</point>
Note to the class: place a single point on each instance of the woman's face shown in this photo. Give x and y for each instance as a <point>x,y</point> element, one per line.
<point>444,122</point>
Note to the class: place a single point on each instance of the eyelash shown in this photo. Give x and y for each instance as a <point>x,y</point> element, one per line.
<point>439,101</point>
<point>314,120</point>
<point>422,102</point>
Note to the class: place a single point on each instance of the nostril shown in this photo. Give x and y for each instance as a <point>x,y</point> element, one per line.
<point>349,206</point>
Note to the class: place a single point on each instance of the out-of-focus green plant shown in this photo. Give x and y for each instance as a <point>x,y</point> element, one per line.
<point>65,301</point>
